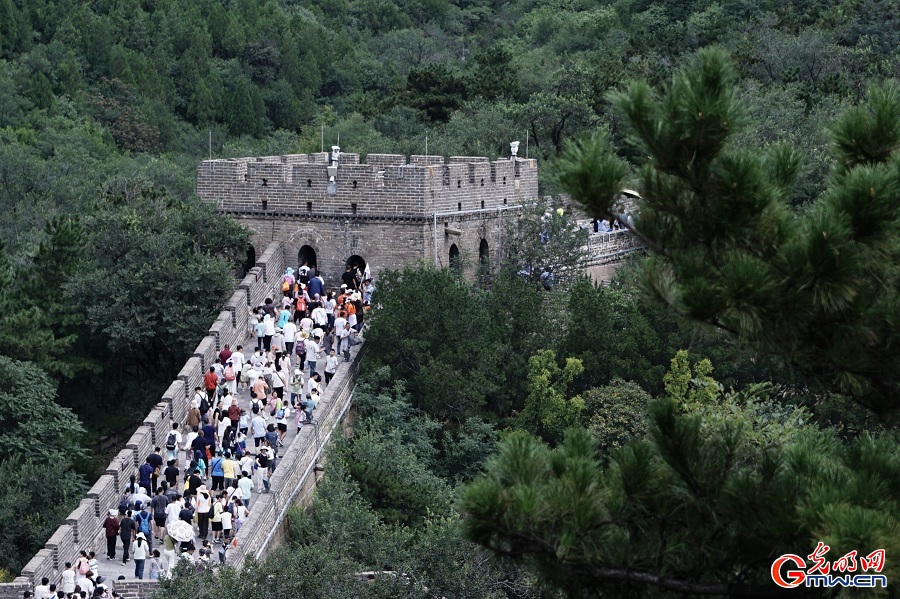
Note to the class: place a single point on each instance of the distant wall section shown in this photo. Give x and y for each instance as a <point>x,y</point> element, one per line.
<point>389,210</point>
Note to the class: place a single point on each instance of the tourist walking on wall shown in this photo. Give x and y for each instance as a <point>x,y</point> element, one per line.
<point>111,526</point>
<point>211,382</point>
<point>68,579</point>
<point>141,551</point>
<point>126,534</point>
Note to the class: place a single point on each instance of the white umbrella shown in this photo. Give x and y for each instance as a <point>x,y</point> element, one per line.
<point>181,531</point>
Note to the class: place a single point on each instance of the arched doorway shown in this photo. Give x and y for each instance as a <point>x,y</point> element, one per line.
<point>358,267</point>
<point>248,263</point>
<point>484,253</point>
<point>307,255</point>
<point>454,261</point>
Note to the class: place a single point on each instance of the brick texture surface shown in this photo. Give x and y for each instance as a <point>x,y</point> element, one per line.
<point>382,210</point>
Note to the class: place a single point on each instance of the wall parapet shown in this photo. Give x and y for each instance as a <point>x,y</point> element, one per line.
<point>386,185</point>
<point>83,527</point>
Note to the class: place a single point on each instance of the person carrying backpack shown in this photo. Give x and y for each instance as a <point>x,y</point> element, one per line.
<point>173,443</point>
<point>144,521</point>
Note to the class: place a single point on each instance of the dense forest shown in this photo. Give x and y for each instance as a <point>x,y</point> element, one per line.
<point>111,269</point>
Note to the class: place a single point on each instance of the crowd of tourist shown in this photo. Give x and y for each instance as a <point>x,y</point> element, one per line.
<point>190,497</point>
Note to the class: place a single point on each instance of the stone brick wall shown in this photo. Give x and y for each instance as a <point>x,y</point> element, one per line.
<point>382,210</point>
<point>82,528</point>
<point>383,243</point>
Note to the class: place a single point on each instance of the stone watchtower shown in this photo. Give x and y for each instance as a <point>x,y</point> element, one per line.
<point>329,208</point>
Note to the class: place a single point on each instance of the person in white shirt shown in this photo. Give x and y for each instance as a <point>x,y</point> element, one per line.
<point>290,336</point>
<point>330,304</point>
<point>257,360</point>
<point>173,509</point>
<point>331,364</point>
<point>306,323</point>
<point>314,383</point>
<point>42,591</point>
<point>339,324</point>
<point>278,345</point>
<point>188,450</point>
<point>320,317</point>
<point>296,387</point>
<point>172,449</point>
<point>268,331</point>
<point>226,525</point>
<point>313,349</point>
<point>68,580</point>
<point>344,335</point>
<point>258,427</point>
<point>247,463</point>
<point>198,396</point>
<point>238,358</point>
<point>246,487</point>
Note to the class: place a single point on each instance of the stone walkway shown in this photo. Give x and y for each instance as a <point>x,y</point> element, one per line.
<point>112,569</point>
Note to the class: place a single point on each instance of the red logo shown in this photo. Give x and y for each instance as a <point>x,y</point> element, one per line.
<point>824,574</point>
<point>795,577</point>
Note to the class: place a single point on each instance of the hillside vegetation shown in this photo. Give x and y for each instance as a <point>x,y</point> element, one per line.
<point>111,269</point>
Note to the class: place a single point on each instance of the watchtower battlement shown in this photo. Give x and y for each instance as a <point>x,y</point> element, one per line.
<point>386,185</point>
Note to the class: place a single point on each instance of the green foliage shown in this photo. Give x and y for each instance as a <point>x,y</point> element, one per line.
<point>816,288</point>
<point>42,331</point>
<point>40,442</point>
<point>544,242</point>
<point>614,332</point>
<point>32,424</point>
<point>548,409</point>
<point>683,509</point>
<point>37,496</point>
<point>615,414</point>
<point>456,363</point>
<point>156,274</point>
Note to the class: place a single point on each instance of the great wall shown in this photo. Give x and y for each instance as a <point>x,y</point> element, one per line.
<point>389,212</point>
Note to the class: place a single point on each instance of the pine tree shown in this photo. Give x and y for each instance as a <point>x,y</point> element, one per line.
<point>818,287</point>
<point>722,485</point>
<point>725,483</point>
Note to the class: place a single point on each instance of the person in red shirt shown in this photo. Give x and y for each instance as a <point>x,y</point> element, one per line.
<point>211,381</point>
<point>111,525</point>
<point>225,354</point>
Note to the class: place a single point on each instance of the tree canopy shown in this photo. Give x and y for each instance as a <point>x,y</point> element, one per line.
<point>819,287</point>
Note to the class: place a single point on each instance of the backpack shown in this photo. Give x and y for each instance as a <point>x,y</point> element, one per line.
<point>285,286</point>
<point>170,441</point>
<point>280,414</point>
<point>229,373</point>
<point>204,406</point>
<point>143,522</point>
<point>84,567</point>
<point>301,304</point>
<point>125,504</point>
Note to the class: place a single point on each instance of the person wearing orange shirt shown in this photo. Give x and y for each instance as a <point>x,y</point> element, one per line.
<point>211,381</point>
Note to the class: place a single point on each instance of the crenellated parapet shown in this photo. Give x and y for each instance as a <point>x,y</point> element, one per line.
<point>383,185</point>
